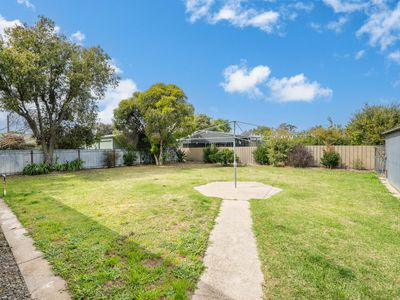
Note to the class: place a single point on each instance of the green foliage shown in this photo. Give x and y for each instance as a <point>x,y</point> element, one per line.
<point>261,154</point>
<point>162,113</point>
<point>223,156</point>
<point>208,154</point>
<point>278,150</point>
<point>330,159</point>
<point>58,83</point>
<point>37,169</point>
<point>299,157</point>
<point>367,125</point>
<point>202,121</point>
<point>12,141</point>
<point>334,134</point>
<point>358,164</point>
<point>45,168</point>
<point>264,131</point>
<point>180,155</point>
<point>129,158</point>
<point>110,159</point>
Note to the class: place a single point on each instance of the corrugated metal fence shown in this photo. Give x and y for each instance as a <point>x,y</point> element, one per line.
<point>14,161</point>
<point>350,155</point>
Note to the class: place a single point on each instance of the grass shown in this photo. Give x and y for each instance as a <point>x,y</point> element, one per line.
<point>141,232</point>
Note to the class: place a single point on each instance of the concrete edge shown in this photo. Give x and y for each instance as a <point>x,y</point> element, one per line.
<point>390,187</point>
<point>42,283</point>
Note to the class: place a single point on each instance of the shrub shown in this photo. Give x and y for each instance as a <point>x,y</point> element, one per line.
<point>300,157</point>
<point>129,158</point>
<point>37,169</point>
<point>223,156</point>
<point>278,150</point>
<point>261,154</point>
<point>330,159</point>
<point>208,154</point>
<point>180,155</point>
<point>12,141</point>
<point>358,164</point>
<point>73,165</point>
<point>110,159</point>
<point>44,168</point>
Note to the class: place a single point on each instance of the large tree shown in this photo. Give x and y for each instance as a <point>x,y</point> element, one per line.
<point>367,125</point>
<point>51,82</point>
<point>202,121</point>
<point>162,112</point>
<point>129,121</point>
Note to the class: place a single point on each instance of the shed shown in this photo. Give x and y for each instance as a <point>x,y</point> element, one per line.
<point>392,152</point>
<point>106,142</point>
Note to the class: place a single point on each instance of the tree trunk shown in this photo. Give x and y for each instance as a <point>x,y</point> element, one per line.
<point>48,150</point>
<point>156,159</point>
<point>161,155</point>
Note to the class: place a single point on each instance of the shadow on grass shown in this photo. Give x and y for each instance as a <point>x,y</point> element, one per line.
<point>95,261</point>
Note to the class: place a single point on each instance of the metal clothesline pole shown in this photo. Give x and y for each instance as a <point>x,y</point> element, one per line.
<point>234,152</point>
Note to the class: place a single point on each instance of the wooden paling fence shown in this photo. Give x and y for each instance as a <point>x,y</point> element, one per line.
<point>350,155</point>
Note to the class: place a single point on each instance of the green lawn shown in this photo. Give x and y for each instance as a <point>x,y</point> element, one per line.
<point>140,232</point>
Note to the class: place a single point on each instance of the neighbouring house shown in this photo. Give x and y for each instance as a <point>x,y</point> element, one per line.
<point>204,138</point>
<point>392,152</point>
<point>107,142</point>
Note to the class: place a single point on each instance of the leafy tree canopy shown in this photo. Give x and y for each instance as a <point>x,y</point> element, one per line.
<point>202,121</point>
<point>52,83</point>
<point>367,125</point>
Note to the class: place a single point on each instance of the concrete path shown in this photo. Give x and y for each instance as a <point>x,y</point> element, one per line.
<point>233,269</point>
<point>39,278</point>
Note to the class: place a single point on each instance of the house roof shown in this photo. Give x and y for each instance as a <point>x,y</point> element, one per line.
<point>204,136</point>
<point>394,129</point>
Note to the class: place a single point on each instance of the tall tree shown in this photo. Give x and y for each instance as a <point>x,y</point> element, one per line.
<point>51,82</point>
<point>367,125</point>
<point>202,121</point>
<point>129,121</point>
<point>165,115</point>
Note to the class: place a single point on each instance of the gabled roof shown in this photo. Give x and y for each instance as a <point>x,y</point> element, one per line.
<point>205,136</point>
<point>394,129</point>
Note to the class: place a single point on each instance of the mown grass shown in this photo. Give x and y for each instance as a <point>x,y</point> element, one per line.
<point>141,232</point>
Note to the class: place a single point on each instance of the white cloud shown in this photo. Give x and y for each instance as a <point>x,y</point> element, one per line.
<point>198,8</point>
<point>241,80</point>
<point>337,25</point>
<point>26,3</point>
<point>232,11</point>
<point>296,88</point>
<point>382,26</point>
<point>113,96</point>
<point>113,65</point>
<point>78,37</point>
<point>6,24</point>
<point>360,54</point>
<point>395,56</point>
<point>346,6</point>
<point>239,17</point>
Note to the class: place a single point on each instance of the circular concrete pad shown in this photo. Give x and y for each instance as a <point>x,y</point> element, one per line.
<point>244,190</point>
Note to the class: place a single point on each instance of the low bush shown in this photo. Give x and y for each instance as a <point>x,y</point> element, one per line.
<point>223,157</point>
<point>37,169</point>
<point>180,155</point>
<point>299,157</point>
<point>208,154</point>
<point>129,158</point>
<point>278,150</point>
<point>110,159</point>
<point>330,159</point>
<point>45,168</point>
<point>358,164</point>
<point>261,154</point>
<point>13,141</point>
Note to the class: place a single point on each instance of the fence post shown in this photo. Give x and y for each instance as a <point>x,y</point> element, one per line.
<point>115,158</point>
<point>79,154</point>
<point>31,156</point>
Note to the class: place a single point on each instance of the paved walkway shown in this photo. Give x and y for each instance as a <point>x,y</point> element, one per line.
<point>233,269</point>
<point>39,278</point>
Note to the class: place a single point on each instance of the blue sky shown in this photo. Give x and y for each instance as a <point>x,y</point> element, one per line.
<point>262,61</point>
